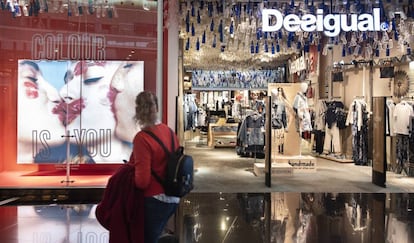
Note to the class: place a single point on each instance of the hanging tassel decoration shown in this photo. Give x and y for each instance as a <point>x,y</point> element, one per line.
<point>214,41</point>
<point>192,29</point>
<point>198,17</point>
<point>198,44</point>
<point>221,32</point>
<point>231,29</point>
<point>187,44</point>
<point>90,7</point>
<point>192,9</point>
<point>210,9</point>
<point>298,45</point>
<point>25,10</point>
<point>203,38</point>
<point>306,47</point>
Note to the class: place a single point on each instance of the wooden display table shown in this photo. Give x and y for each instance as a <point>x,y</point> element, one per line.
<point>288,165</point>
<point>300,163</point>
<point>222,134</point>
<point>278,169</point>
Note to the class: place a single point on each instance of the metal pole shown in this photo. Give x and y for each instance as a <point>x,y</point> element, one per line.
<point>160,41</point>
<point>268,143</point>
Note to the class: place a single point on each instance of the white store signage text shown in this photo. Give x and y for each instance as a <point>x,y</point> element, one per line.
<point>331,24</point>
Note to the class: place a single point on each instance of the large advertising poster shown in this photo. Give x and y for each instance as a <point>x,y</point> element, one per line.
<point>77,111</point>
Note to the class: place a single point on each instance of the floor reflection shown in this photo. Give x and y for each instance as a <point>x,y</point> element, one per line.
<point>298,217</point>
<point>235,217</point>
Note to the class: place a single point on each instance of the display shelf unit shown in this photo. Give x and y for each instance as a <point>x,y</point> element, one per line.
<point>222,135</point>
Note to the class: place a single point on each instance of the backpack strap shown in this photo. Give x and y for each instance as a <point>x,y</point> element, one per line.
<point>167,152</point>
<point>160,142</point>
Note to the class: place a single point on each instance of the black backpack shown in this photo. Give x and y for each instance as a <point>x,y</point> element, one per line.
<point>180,169</point>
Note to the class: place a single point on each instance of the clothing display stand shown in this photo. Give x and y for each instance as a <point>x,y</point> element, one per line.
<point>292,160</point>
<point>292,156</point>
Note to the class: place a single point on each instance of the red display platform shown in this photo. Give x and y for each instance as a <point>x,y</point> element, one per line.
<point>92,176</point>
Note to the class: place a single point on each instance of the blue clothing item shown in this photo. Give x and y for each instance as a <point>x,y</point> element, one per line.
<point>157,214</point>
<point>254,125</point>
<point>57,154</point>
<point>279,118</point>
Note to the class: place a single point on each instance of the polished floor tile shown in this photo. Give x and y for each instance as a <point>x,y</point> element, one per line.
<point>234,217</point>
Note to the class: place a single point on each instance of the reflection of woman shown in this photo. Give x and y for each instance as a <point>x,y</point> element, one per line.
<point>38,127</point>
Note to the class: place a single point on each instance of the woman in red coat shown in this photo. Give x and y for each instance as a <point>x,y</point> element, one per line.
<point>148,154</point>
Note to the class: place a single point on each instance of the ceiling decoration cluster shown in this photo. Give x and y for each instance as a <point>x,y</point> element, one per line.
<point>72,8</point>
<point>19,8</point>
<point>217,33</point>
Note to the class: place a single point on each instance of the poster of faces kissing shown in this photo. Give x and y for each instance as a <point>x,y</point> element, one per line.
<point>77,111</point>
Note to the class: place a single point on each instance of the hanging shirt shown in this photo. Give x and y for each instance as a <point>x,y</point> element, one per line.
<point>320,109</point>
<point>402,116</point>
<point>331,113</point>
<point>390,118</point>
<point>356,110</point>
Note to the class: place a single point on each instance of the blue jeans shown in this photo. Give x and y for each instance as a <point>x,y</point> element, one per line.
<point>157,214</point>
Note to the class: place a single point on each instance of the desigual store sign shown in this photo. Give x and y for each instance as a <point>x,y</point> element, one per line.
<point>331,24</point>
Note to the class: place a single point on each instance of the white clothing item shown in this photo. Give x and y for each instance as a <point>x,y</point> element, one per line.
<point>201,117</point>
<point>402,116</point>
<point>301,104</point>
<point>320,111</point>
<point>167,199</point>
<point>332,138</point>
<point>236,110</point>
<point>390,124</point>
<point>358,105</point>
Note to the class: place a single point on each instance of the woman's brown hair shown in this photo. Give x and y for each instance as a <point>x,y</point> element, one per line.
<point>146,108</point>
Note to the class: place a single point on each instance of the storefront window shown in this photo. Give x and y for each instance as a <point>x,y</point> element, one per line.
<point>69,73</point>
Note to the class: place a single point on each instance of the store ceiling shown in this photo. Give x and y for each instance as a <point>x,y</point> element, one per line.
<point>244,46</point>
